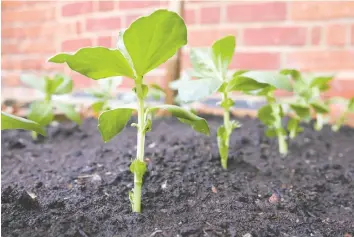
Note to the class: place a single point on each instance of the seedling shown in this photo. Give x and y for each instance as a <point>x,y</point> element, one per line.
<point>307,99</point>
<point>9,121</point>
<point>348,105</point>
<point>104,93</point>
<point>41,111</point>
<point>146,44</point>
<point>210,68</point>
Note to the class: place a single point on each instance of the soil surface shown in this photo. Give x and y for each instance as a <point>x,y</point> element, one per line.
<point>72,184</point>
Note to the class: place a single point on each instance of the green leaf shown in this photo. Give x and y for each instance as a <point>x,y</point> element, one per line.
<point>266,115</point>
<point>303,111</point>
<point>222,53</point>
<point>152,40</point>
<point>295,74</point>
<point>197,123</point>
<point>138,167</point>
<point>271,132</point>
<point>222,138</point>
<point>144,91</point>
<point>41,112</point>
<point>96,93</point>
<point>226,104</point>
<point>96,62</point>
<point>293,127</point>
<point>157,87</point>
<point>69,111</point>
<point>37,83</point>
<point>203,64</point>
<point>98,106</point>
<point>351,105</point>
<point>194,90</point>
<point>59,85</point>
<point>241,83</point>
<point>9,121</point>
<point>320,107</point>
<point>277,80</point>
<point>112,122</point>
<point>321,82</point>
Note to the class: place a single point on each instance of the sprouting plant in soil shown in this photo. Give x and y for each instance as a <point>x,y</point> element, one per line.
<point>348,107</point>
<point>147,43</point>
<point>307,99</point>
<point>10,121</point>
<point>42,111</point>
<point>210,70</point>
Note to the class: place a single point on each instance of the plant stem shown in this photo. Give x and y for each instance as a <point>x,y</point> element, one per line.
<point>138,180</point>
<point>283,146</point>
<point>34,135</point>
<point>228,131</point>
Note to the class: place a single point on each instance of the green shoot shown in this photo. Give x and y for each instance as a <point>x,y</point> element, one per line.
<point>42,111</point>
<point>145,45</point>
<point>307,98</point>
<point>348,105</point>
<point>9,121</point>
<point>210,68</point>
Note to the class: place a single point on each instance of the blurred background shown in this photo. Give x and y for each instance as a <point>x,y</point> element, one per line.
<point>313,36</point>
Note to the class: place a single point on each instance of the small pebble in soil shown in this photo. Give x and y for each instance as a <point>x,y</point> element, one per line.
<point>247,235</point>
<point>28,200</point>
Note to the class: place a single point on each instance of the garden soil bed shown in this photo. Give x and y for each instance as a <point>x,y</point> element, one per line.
<point>81,184</point>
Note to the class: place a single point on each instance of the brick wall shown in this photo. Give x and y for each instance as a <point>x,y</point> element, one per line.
<point>310,36</point>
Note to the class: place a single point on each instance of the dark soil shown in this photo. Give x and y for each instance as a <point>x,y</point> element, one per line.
<point>81,184</point>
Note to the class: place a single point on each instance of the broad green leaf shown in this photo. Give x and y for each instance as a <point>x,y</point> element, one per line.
<point>203,64</point>
<point>277,80</point>
<point>320,107</point>
<point>293,127</point>
<point>197,123</point>
<point>9,121</point>
<point>69,111</point>
<point>152,40</point>
<point>303,111</point>
<point>33,81</point>
<point>266,115</point>
<point>321,82</point>
<point>222,52</point>
<point>59,85</point>
<point>271,132</point>
<point>96,62</point>
<point>98,106</point>
<point>241,83</point>
<point>138,167</point>
<point>41,112</point>
<point>112,122</point>
<point>194,90</point>
<point>295,74</point>
<point>223,145</point>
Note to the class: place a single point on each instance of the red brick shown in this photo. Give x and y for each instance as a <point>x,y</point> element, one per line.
<point>76,44</point>
<point>210,15</point>
<point>105,41</point>
<point>125,4</point>
<point>336,34</point>
<point>316,35</point>
<point>256,12</point>
<point>127,83</point>
<point>105,5</point>
<point>38,47</point>
<point>206,37</point>
<point>80,81</point>
<point>10,80</point>
<point>321,10</point>
<point>342,87</point>
<point>327,60</point>
<point>190,16</point>
<point>275,36</point>
<point>28,15</point>
<point>352,34</point>
<point>22,64</point>
<point>259,60</point>
<point>98,24</point>
<point>77,8</point>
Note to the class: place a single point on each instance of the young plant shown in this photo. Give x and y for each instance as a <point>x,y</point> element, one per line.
<point>41,111</point>
<point>210,68</point>
<point>348,105</point>
<point>146,44</point>
<point>307,99</point>
<point>104,93</point>
<point>9,121</point>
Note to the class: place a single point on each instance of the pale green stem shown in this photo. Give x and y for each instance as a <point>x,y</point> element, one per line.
<point>34,135</point>
<point>228,131</point>
<point>283,146</point>
<point>139,155</point>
